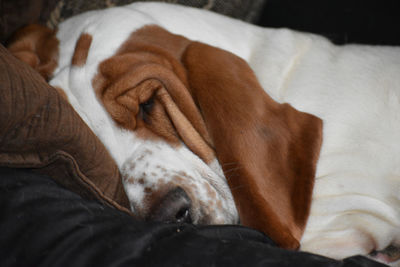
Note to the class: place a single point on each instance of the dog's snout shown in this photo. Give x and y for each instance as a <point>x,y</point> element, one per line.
<point>173,207</point>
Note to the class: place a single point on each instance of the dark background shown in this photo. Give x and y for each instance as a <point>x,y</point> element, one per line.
<point>342,21</point>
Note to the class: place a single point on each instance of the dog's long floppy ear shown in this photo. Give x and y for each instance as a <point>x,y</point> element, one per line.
<point>268,151</point>
<point>37,46</point>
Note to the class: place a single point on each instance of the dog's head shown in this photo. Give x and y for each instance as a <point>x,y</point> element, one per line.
<point>205,142</point>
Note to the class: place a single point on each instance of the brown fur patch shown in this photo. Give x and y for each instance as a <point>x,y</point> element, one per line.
<point>37,46</point>
<point>148,66</point>
<point>81,51</point>
<point>276,146</point>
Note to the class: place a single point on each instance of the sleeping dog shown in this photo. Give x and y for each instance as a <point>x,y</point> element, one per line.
<point>211,119</point>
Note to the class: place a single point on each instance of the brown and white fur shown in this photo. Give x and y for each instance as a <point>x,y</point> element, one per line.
<point>191,105</point>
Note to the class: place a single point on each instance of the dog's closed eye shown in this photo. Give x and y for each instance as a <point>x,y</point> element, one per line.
<point>146,108</point>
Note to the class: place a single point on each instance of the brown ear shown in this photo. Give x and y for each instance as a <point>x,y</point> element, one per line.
<point>37,46</point>
<point>148,64</point>
<point>268,151</point>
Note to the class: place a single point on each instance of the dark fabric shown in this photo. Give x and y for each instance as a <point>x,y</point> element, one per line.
<point>17,13</point>
<point>39,129</point>
<point>342,21</point>
<point>43,224</point>
<point>240,9</point>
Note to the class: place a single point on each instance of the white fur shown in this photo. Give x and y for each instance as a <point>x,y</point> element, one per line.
<point>355,90</point>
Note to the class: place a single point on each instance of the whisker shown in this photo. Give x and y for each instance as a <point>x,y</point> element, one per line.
<point>232,169</point>
<point>230,176</point>
<point>228,163</point>
<point>238,187</point>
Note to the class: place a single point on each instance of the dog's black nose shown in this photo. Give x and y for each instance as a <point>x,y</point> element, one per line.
<point>173,207</point>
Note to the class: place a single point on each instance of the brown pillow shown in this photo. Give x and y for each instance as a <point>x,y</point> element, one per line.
<point>40,130</point>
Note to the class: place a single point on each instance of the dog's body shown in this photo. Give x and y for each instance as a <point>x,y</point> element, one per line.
<point>355,90</point>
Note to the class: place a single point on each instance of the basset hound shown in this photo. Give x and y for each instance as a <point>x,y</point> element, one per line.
<point>211,119</point>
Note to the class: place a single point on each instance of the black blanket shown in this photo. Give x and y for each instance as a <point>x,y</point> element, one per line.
<point>44,224</point>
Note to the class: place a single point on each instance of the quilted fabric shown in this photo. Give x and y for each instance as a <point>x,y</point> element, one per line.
<point>40,130</point>
<point>17,13</point>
